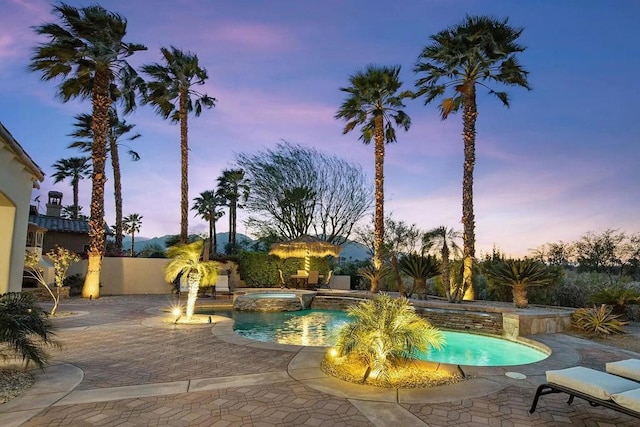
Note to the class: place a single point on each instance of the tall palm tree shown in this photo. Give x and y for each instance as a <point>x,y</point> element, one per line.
<point>478,51</point>
<point>234,188</point>
<point>520,274</point>
<point>76,168</point>
<point>206,205</point>
<point>131,225</point>
<point>374,103</point>
<point>172,94</point>
<point>115,137</point>
<point>444,240</point>
<point>186,261</point>
<point>88,52</point>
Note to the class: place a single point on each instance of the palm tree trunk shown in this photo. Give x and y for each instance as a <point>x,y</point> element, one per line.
<point>117,191</point>
<point>234,222</point>
<point>468,219</point>
<point>446,281</point>
<point>420,287</point>
<point>378,234</point>
<point>133,241</point>
<point>194,285</point>
<point>214,238</point>
<point>520,296</point>
<point>101,103</point>
<point>75,183</point>
<point>210,236</point>
<point>184,158</point>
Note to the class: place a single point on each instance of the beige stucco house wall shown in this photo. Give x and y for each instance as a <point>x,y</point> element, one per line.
<point>18,176</point>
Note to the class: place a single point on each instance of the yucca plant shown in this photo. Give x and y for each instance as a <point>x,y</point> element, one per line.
<point>385,331</point>
<point>420,269</point>
<point>25,329</point>
<point>374,275</point>
<point>519,274</point>
<point>598,320</point>
<point>186,261</point>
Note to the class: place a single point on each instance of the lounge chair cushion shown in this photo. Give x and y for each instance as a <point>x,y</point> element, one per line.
<point>589,381</point>
<point>628,399</point>
<point>629,368</point>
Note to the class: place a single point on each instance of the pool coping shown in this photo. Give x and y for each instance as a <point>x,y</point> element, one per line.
<point>305,368</point>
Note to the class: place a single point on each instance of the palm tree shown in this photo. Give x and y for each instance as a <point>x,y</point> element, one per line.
<point>420,268</point>
<point>234,188</point>
<point>385,331</point>
<point>117,130</point>
<point>477,51</point>
<point>374,103</point>
<point>206,205</point>
<point>131,225</point>
<point>25,329</point>
<point>519,274</point>
<point>89,45</point>
<point>76,168</point>
<point>186,261</point>
<point>443,239</point>
<point>171,92</point>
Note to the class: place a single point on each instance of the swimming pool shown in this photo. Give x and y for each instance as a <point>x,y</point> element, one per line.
<point>319,328</point>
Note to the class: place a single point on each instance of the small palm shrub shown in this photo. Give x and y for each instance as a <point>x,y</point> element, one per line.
<point>25,329</point>
<point>384,333</point>
<point>598,321</point>
<point>420,269</point>
<point>520,274</point>
<point>618,296</point>
<point>374,275</point>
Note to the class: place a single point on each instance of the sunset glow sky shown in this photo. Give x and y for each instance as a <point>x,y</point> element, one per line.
<point>563,160</point>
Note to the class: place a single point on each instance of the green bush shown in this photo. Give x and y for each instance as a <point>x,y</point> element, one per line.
<point>260,270</point>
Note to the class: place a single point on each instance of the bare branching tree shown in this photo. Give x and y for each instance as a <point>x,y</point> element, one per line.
<point>297,190</point>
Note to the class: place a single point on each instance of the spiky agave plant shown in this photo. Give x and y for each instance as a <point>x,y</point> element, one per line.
<point>385,331</point>
<point>186,261</point>
<point>25,329</point>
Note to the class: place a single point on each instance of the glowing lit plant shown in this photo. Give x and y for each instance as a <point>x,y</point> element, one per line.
<point>62,258</point>
<point>186,261</point>
<point>385,332</point>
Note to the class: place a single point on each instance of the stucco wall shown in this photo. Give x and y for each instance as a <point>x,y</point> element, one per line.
<point>132,276</point>
<point>16,183</point>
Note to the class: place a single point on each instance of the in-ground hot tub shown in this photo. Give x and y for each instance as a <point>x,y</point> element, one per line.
<point>272,300</point>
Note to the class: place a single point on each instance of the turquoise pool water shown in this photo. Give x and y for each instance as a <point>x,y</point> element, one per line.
<point>319,327</point>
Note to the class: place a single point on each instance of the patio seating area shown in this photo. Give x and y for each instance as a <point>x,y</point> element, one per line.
<point>121,365</point>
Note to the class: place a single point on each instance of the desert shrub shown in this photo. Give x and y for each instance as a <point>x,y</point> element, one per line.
<point>598,321</point>
<point>75,283</point>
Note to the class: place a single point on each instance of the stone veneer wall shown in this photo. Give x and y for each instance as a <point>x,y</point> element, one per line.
<point>490,323</point>
<point>334,303</point>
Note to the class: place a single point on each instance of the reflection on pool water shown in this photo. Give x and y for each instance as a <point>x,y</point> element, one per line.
<point>319,328</point>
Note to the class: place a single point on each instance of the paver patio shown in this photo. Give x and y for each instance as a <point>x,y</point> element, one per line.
<point>119,366</point>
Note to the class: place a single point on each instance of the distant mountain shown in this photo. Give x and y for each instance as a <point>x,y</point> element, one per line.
<point>351,251</point>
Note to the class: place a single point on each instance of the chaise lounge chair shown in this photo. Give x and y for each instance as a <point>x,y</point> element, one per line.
<point>596,387</point>
<point>629,368</point>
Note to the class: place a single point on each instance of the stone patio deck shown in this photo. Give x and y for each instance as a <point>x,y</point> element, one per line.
<point>121,366</point>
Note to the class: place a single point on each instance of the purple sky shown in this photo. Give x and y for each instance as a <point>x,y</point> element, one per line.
<point>563,160</point>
